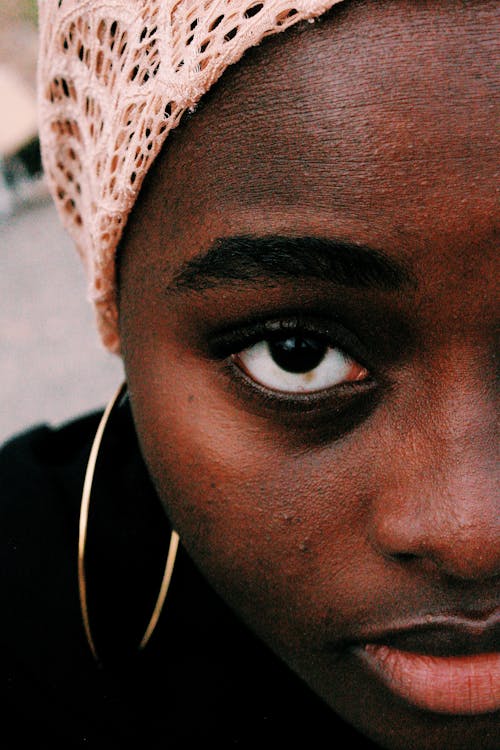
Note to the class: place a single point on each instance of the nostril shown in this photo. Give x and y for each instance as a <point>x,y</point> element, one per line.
<point>404,557</point>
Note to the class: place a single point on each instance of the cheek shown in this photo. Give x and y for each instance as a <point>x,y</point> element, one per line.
<point>277,532</point>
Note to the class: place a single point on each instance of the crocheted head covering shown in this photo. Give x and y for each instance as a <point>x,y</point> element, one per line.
<point>115,77</point>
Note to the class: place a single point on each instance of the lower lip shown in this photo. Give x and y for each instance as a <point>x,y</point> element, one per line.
<point>463,685</point>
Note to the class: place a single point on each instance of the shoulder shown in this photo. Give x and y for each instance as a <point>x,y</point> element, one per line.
<point>40,477</point>
<point>40,632</point>
<point>42,464</point>
<point>40,484</point>
<point>45,450</point>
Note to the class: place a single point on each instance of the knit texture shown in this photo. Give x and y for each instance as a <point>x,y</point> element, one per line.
<point>115,77</point>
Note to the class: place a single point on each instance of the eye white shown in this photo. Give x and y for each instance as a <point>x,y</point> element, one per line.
<point>335,367</point>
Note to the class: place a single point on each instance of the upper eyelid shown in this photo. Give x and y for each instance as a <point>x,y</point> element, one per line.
<point>237,338</point>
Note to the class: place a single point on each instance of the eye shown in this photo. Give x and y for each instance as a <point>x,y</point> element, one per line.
<point>298,364</point>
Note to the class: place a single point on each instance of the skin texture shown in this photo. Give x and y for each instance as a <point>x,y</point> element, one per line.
<point>325,519</point>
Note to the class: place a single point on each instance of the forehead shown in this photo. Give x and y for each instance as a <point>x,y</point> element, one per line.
<point>379,120</point>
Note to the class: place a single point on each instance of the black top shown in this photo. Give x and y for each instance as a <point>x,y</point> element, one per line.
<point>203,678</point>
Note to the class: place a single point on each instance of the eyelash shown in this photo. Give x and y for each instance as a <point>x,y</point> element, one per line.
<point>234,338</point>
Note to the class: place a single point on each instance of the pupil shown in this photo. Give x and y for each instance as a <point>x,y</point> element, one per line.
<point>296,354</point>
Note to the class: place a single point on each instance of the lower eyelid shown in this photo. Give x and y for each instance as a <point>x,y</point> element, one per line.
<point>301,419</point>
<point>343,392</point>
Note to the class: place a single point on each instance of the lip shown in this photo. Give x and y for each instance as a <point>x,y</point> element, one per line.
<point>441,636</point>
<point>441,664</point>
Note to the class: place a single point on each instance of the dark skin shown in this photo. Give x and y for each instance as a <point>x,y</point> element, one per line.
<point>329,515</point>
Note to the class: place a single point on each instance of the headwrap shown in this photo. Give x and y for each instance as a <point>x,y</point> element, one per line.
<point>114,78</point>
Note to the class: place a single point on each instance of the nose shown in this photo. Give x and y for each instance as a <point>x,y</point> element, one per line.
<point>440,503</point>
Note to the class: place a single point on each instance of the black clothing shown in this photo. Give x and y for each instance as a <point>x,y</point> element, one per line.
<point>202,679</point>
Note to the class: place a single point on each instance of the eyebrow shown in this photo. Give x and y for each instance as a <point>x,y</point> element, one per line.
<point>270,258</point>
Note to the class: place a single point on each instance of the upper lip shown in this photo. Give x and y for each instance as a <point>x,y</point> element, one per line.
<point>440,635</point>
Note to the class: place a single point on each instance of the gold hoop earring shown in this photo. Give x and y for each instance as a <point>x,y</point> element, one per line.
<point>82,539</point>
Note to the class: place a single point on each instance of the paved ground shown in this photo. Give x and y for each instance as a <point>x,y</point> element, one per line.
<point>52,365</point>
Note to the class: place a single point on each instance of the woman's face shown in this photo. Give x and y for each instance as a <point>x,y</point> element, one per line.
<point>308,306</point>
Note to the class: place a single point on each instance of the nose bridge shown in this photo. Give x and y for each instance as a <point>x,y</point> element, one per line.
<point>441,502</point>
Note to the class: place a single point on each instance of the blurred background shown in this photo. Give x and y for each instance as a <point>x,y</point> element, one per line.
<point>52,365</point>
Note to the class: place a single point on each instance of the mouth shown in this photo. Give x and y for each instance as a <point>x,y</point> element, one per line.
<point>444,665</point>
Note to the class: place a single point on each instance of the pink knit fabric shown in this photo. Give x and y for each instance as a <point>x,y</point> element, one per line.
<point>115,77</point>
